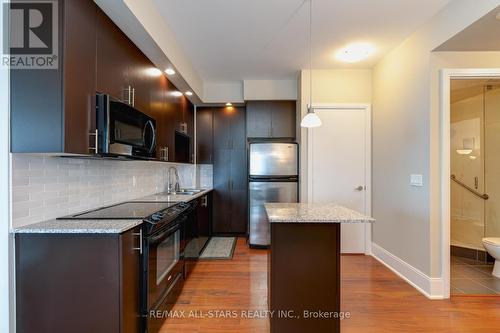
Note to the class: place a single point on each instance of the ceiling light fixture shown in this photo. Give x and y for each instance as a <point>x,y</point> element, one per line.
<point>229,104</point>
<point>169,71</point>
<point>355,52</point>
<point>311,119</point>
<point>188,93</point>
<point>153,71</point>
<point>176,93</point>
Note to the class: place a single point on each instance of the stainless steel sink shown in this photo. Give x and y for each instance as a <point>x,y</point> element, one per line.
<point>188,192</point>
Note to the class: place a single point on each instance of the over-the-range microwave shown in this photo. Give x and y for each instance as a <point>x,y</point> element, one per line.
<point>124,130</point>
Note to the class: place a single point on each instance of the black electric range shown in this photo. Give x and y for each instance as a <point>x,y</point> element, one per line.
<point>162,251</point>
<point>156,215</point>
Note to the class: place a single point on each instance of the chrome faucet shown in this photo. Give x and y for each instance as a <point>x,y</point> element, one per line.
<point>173,187</point>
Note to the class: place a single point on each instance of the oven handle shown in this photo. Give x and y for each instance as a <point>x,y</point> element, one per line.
<point>164,234</point>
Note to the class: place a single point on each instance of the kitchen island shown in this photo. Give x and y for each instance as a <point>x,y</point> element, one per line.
<point>304,265</point>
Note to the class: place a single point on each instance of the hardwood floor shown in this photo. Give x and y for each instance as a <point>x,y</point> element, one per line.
<point>377,299</point>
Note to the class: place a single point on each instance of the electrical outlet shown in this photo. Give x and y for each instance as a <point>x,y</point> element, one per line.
<point>416,180</point>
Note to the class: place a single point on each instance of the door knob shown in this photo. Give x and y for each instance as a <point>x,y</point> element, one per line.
<point>360,188</point>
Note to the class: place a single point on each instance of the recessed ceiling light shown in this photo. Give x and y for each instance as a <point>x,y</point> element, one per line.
<point>176,93</point>
<point>169,71</point>
<point>153,71</point>
<point>189,93</point>
<point>355,52</point>
<point>229,104</point>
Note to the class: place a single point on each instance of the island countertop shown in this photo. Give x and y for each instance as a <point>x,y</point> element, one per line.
<point>313,213</point>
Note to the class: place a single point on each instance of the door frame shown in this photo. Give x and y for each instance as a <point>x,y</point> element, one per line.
<point>368,159</point>
<point>447,75</point>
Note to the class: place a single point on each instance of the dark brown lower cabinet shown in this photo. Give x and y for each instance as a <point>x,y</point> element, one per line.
<point>78,283</point>
<point>201,232</point>
<point>304,277</point>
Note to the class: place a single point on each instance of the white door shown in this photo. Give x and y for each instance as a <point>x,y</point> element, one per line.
<point>340,167</point>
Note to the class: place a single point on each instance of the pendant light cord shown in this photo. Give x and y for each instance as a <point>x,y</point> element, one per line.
<point>310,57</point>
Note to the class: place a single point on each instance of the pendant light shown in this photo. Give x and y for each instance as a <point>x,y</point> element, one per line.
<point>311,119</point>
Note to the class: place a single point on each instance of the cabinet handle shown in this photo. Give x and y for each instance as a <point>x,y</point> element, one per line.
<point>210,158</point>
<point>96,141</point>
<point>140,241</point>
<point>204,201</point>
<point>133,96</point>
<point>128,95</point>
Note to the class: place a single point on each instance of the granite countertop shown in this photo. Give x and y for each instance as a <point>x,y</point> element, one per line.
<point>104,226</point>
<point>78,227</point>
<point>313,213</point>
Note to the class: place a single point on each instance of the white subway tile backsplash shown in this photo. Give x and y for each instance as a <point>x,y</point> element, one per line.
<point>46,187</point>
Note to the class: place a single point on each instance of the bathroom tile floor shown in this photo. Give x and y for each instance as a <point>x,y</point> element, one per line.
<point>471,277</point>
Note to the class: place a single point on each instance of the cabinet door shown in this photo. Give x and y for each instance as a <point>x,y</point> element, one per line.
<point>239,193</point>
<point>238,128</point>
<point>172,113</point>
<point>204,135</point>
<point>222,128</point>
<point>205,218</point>
<point>79,75</point>
<point>189,120</point>
<point>142,78</point>
<point>283,119</point>
<point>222,194</point>
<point>130,282</point>
<point>258,116</point>
<point>112,61</point>
<point>158,112</point>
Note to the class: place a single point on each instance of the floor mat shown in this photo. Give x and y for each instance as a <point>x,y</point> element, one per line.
<point>219,248</point>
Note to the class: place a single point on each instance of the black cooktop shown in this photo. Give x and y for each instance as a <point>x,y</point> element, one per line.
<point>127,210</point>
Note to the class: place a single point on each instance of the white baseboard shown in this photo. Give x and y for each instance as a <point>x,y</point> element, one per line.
<point>432,288</point>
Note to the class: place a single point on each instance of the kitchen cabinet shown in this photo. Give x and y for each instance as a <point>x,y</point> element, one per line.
<point>201,231</point>
<point>204,135</point>
<point>271,119</point>
<point>52,109</point>
<point>113,58</point>
<point>62,280</point>
<point>230,213</point>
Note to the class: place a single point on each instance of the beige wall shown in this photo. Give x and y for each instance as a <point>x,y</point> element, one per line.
<point>406,139</point>
<point>328,86</point>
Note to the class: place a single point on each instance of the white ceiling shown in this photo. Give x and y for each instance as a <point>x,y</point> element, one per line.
<point>229,40</point>
<point>482,35</point>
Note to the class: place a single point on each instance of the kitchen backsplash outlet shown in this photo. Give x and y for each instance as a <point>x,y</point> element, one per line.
<point>46,187</point>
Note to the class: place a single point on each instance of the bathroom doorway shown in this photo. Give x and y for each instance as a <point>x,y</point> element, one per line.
<point>474,121</point>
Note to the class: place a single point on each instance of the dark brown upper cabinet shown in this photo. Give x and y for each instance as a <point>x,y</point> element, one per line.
<point>52,109</point>
<point>123,71</point>
<point>271,119</point>
<point>204,135</point>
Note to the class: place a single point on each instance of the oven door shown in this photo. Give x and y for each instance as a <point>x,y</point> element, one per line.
<point>165,264</point>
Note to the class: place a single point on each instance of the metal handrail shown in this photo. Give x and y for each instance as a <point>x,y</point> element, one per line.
<point>470,189</point>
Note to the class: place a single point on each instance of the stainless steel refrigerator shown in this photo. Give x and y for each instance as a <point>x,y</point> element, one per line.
<point>273,177</point>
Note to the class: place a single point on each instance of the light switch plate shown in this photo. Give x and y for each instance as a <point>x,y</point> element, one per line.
<point>416,180</point>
